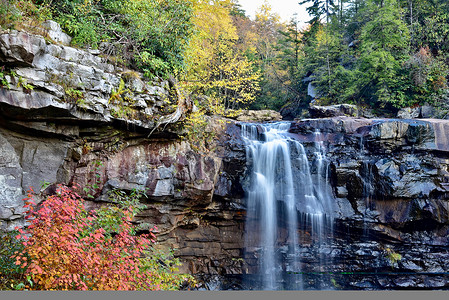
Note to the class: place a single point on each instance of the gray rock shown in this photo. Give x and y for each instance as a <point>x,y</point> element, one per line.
<point>427,111</point>
<point>409,113</point>
<point>20,48</point>
<point>164,187</point>
<point>165,173</point>
<point>395,130</point>
<point>55,32</point>
<point>136,84</point>
<point>342,191</point>
<point>257,116</point>
<point>156,91</point>
<point>10,180</point>
<point>25,164</point>
<point>316,111</point>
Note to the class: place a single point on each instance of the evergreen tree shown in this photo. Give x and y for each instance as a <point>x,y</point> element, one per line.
<point>384,49</point>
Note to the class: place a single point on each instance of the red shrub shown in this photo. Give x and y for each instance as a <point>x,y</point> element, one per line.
<point>64,249</point>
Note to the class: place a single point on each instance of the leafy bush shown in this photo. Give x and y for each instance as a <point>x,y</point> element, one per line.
<point>68,248</point>
<point>11,275</point>
<point>150,35</point>
<point>9,14</point>
<point>17,14</point>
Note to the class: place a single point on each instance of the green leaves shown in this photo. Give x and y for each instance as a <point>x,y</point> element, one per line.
<point>380,53</point>
<point>149,34</point>
<point>384,47</point>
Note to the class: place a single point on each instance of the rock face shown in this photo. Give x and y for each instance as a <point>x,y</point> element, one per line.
<point>56,81</point>
<point>390,183</point>
<point>258,116</point>
<point>55,33</point>
<point>316,111</point>
<point>63,120</point>
<point>424,111</point>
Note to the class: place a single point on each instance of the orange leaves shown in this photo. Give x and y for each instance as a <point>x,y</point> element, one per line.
<point>38,269</point>
<point>66,251</point>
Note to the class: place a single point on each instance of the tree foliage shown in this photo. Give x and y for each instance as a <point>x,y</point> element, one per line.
<point>217,66</point>
<point>375,53</point>
<point>150,35</point>
<point>68,248</point>
<point>379,53</point>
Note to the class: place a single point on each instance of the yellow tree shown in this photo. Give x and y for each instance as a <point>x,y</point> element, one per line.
<point>216,66</point>
<point>268,25</point>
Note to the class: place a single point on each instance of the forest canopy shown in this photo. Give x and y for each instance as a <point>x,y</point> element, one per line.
<point>379,54</point>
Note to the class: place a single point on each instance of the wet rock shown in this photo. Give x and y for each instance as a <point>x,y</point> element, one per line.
<point>342,191</point>
<point>330,125</point>
<point>387,176</point>
<point>333,111</point>
<point>389,135</point>
<point>258,116</point>
<point>411,265</point>
<point>405,282</point>
<point>405,181</point>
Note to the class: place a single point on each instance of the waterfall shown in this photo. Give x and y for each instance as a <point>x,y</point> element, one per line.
<point>286,193</point>
<point>368,189</point>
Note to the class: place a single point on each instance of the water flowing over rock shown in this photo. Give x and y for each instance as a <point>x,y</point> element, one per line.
<point>275,163</point>
<point>388,186</point>
<point>329,203</point>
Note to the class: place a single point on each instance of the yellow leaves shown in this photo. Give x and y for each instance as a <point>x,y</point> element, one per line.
<point>214,29</point>
<point>217,57</point>
<point>321,36</point>
<point>265,14</point>
<point>213,19</point>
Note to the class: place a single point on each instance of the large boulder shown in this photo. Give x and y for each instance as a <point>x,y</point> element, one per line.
<point>316,111</point>
<point>257,116</point>
<point>55,32</point>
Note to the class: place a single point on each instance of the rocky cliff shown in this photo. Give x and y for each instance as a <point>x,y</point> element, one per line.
<point>67,115</point>
<point>390,183</point>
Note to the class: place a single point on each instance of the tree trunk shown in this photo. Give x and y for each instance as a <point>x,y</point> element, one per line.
<point>184,105</point>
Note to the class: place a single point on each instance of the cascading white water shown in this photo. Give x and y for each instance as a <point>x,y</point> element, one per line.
<point>367,178</point>
<point>281,191</point>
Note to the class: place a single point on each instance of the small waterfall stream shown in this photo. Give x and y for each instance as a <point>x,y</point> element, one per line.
<point>286,194</point>
<point>368,188</point>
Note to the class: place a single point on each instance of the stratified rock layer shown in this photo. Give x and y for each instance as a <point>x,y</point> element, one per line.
<point>390,178</point>
<point>63,120</point>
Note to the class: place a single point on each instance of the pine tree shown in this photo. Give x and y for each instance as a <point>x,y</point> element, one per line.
<point>384,49</point>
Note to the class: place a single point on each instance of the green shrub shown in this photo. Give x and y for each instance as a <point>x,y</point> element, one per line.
<point>9,13</point>
<point>11,275</point>
<point>18,14</point>
<point>150,35</point>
